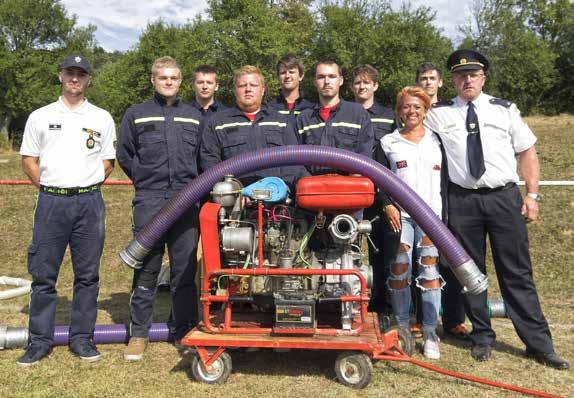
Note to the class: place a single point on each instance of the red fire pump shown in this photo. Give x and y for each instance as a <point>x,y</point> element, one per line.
<point>278,274</point>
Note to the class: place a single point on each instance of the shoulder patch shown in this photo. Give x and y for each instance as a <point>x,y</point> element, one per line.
<point>440,104</point>
<point>502,102</point>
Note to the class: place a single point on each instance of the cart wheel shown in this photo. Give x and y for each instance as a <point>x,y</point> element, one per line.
<point>354,369</point>
<point>217,373</point>
<point>406,341</point>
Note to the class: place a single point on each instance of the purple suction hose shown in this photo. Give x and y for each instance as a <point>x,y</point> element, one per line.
<point>460,262</point>
<point>112,334</point>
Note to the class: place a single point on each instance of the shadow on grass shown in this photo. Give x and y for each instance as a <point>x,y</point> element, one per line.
<point>266,362</point>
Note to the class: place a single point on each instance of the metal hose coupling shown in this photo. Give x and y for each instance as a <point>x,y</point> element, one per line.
<point>470,277</point>
<point>13,337</point>
<point>133,254</point>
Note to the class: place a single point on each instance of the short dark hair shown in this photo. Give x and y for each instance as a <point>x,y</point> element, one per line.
<point>289,61</point>
<point>366,70</point>
<point>426,67</point>
<point>205,69</point>
<point>329,62</point>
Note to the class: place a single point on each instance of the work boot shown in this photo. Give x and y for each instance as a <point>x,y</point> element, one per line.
<point>550,359</point>
<point>135,349</point>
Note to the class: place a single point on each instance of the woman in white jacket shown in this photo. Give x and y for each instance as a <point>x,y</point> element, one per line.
<point>414,153</point>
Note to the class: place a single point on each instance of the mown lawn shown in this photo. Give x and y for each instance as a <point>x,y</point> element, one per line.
<point>296,373</point>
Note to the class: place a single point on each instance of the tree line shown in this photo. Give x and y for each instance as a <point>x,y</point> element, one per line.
<point>530,44</point>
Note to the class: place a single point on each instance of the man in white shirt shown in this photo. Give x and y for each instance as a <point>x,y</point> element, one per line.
<point>67,152</point>
<point>482,136</point>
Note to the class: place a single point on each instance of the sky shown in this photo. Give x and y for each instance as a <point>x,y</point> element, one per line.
<point>119,23</point>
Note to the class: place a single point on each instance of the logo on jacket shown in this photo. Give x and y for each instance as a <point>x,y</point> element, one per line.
<point>54,126</point>
<point>436,167</point>
<point>401,164</point>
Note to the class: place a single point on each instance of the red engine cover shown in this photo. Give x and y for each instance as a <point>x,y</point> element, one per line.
<point>333,193</point>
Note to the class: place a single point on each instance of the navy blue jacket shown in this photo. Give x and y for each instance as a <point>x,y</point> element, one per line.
<point>215,107</point>
<point>348,127</point>
<point>382,119</point>
<point>158,144</point>
<point>279,103</point>
<point>230,133</point>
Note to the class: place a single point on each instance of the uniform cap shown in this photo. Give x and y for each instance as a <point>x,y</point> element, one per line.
<point>466,59</point>
<point>76,61</point>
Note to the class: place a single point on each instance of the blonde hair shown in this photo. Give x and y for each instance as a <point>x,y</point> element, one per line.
<point>247,70</point>
<point>412,91</point>
<point>164,62</point>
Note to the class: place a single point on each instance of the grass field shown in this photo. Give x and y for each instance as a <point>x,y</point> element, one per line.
<point>293,374</point>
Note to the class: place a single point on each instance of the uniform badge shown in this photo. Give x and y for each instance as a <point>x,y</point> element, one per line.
<point>54,126</point>
<point>401,164</point>
<point>90,143</point>
<point>436,167</point>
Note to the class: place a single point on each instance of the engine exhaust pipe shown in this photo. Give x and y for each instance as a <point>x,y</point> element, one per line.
<point>463,267</point>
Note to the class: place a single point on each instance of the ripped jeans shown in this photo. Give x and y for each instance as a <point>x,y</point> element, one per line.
<point>428,280</point>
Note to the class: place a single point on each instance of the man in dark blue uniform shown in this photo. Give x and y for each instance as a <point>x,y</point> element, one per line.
<point>290,101</point>
<point>204,84</point>
<point>334,122</point>
<point>364,84</point>
<point>67,152</point>
<point>246,127</point>
<point>157,149</point>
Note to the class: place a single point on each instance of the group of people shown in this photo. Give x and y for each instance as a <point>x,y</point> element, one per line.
<point>458,155</point>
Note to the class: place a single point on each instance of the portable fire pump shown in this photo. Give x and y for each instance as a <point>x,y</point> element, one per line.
<point>288,270</point>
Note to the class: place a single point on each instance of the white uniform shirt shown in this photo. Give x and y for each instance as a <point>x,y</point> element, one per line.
<point>417,164</point>
<point>59,137</point>
<point>503,134</point>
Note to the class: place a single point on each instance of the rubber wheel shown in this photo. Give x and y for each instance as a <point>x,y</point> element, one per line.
<point>354,369</point>
<point>217,373</point>
<point>406,341</point>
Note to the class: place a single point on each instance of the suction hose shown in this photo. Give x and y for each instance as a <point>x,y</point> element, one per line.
<point>17,337</point>
<point>463,267</point>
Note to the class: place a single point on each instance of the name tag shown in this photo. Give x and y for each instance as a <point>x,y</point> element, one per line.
<point>54,127</point>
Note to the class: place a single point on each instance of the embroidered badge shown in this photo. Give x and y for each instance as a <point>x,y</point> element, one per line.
<point>54,126</point>
<point>401,164</point>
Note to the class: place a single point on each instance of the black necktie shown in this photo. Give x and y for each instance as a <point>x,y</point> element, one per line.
<point>474,144</point>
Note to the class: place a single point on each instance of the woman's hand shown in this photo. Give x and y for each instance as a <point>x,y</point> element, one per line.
<point>394,217</point>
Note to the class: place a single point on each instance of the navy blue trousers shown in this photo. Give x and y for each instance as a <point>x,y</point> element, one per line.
<point>472,216</point>
<point>181,241</point>
<point>59,221</point>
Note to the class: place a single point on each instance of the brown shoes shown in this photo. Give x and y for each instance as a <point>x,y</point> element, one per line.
<point>135,349</point>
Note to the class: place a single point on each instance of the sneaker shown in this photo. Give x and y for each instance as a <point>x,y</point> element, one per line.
<point>431,348</point>
<point>86,350</point>
<point>135,349</point>
<point>33,355</point>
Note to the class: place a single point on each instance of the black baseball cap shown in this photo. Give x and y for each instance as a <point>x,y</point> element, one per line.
<point>466,59</point>
<point>76,61</point>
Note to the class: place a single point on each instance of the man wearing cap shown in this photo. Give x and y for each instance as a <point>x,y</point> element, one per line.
<point>157,149</point>
<point>482,136</point>
<point>67,152</point>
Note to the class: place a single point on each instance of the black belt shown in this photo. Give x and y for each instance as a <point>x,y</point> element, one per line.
<point>69,191</point>
<point>483,190</point>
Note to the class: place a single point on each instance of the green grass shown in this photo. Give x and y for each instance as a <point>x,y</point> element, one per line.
<point>297,373</point>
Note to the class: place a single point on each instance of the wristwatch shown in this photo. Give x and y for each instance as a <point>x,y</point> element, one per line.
<point>534,196</point>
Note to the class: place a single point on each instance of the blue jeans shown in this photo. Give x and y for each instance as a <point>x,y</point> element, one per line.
<point>412,236</point>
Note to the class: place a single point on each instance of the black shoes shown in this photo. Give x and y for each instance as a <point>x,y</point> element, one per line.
<point>86,350</point>
<point>550,359</point>
<point>481,352</point>
<point>33,355</point>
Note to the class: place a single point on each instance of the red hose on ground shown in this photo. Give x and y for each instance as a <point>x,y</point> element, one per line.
<point>458,375</point>
<point>28,182</point>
